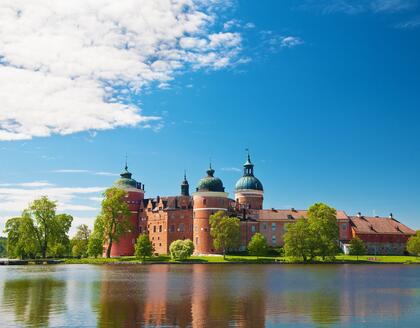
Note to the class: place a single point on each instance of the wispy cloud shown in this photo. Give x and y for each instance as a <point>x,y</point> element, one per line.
<point>409,24</point>
<point>275,42</point>
<point>231,169</point>
<point>71,171</point>
<point>352,7</point>
<point>72,66</point>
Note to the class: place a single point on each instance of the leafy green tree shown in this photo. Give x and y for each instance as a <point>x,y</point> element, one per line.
<point>95,245</point>
<point>181,249</point>
<point>114,218</point>
<point>143,247</point>
<point>225,231</point>
<point>413,244</point>
<point>20,242</point>
<point>80,241</point>
<point>357,247</point>
<point>322,221</point>
<point>39,230</point>
<point>258,245</point>
<point>298,242</point>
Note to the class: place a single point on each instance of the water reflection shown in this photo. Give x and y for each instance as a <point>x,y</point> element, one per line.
<point>33,300</point>
<point>210,296</point>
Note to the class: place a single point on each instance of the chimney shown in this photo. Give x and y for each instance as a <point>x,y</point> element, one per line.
<point>359,214</point>
<point>391,216</point>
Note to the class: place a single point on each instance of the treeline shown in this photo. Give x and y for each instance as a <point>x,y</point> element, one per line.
<point>3,247</point>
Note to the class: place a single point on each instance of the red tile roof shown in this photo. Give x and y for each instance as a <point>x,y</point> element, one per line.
<point>292,214</point>
<point>379,225</point>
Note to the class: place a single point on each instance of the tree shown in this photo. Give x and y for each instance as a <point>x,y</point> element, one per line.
<point>143,247</point>
<point>298,240</point>
<point>357,247</point>
<point>3,247</point>
<point>113,220</point>
<point>258,245</point>
<point>39,230</point>
<point>322,221</point>
<point>181,249</point>
<point>21,243</point>
<point>413,244</point>
<point>80,241</point>
<point>225,232</point>
<point>95,245</point>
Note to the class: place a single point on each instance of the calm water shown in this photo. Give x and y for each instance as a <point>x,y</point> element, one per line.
<point>210,296</point>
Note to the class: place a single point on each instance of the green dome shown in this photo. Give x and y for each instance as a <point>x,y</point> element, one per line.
<point>126,181</point>
<point>210,183</point>
<point>249,182</point>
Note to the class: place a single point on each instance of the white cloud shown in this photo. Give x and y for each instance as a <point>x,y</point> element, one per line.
<point>16,198</point>
<point>291,41</point>
<point>70,171</point>
<point>72,66</point>
<point>231,169</point>
<point>413,23</point>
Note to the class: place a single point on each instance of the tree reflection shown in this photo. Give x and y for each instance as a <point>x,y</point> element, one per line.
<point>32,300</point>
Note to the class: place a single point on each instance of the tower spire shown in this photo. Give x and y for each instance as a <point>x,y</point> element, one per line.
<point>126,161</point>
<point>185,187</point>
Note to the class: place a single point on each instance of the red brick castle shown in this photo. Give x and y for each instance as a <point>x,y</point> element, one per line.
<point>166,219</point>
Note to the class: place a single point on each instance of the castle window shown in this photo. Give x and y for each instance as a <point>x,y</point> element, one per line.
<point>253,229</point>
<point>273,239</point>
<point>264,226</point>
<point>344,226</point>
<point>273,226</point>
<point>181,227</point>
<point>154,228</point>
<point>172,228</point>
<point>160,228</point>
<point>204,201</point>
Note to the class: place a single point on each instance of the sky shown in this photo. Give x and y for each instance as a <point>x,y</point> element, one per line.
<point>325,94</point>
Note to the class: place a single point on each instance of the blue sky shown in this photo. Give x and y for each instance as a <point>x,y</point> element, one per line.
<point>326,94</point>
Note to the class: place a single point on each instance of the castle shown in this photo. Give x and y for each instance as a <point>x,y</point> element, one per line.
<point>166,219</point>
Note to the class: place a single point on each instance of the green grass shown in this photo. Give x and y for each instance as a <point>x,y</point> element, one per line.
<point>247,259</point>
<point>167,259</point>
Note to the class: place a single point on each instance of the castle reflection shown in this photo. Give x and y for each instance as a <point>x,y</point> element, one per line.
<point>209,296</point>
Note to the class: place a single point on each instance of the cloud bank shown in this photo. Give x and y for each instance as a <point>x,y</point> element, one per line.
<point>72,66</point>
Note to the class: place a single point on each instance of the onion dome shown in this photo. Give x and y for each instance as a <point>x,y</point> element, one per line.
<point>126,181</point>
<point>210,182</point>
<point>248,180</point>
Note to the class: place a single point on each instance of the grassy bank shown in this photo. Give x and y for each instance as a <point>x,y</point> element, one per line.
<point>248,259</point>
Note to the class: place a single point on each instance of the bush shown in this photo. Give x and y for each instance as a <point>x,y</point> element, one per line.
<point>143,247</point>
<point>181,249</point>
<point>95,246</point>
<point>258,245</point>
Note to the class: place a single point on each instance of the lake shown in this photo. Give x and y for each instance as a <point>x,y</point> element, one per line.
<point>218,295</point>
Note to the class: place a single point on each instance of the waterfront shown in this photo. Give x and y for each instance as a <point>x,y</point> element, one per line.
<point>210,295</point>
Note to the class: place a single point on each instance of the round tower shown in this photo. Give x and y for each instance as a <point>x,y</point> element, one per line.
<point>249,191</point>
<point>209,198</point>
<point>134,198</point>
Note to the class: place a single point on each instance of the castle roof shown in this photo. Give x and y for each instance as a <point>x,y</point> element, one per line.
<point>248,181</point>
<point>290,214</point>
<point>379,225</point>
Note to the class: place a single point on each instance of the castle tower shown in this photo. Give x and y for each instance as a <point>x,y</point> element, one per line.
<point>249,190</point>
<point>135,196</point>
<point>209,198</point>
<point>185,187</point>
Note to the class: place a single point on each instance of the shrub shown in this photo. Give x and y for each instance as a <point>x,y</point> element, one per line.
<point>181,249</point>
<point>143,247</point>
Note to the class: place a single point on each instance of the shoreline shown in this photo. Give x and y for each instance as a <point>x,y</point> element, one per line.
<point>232,259</point>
